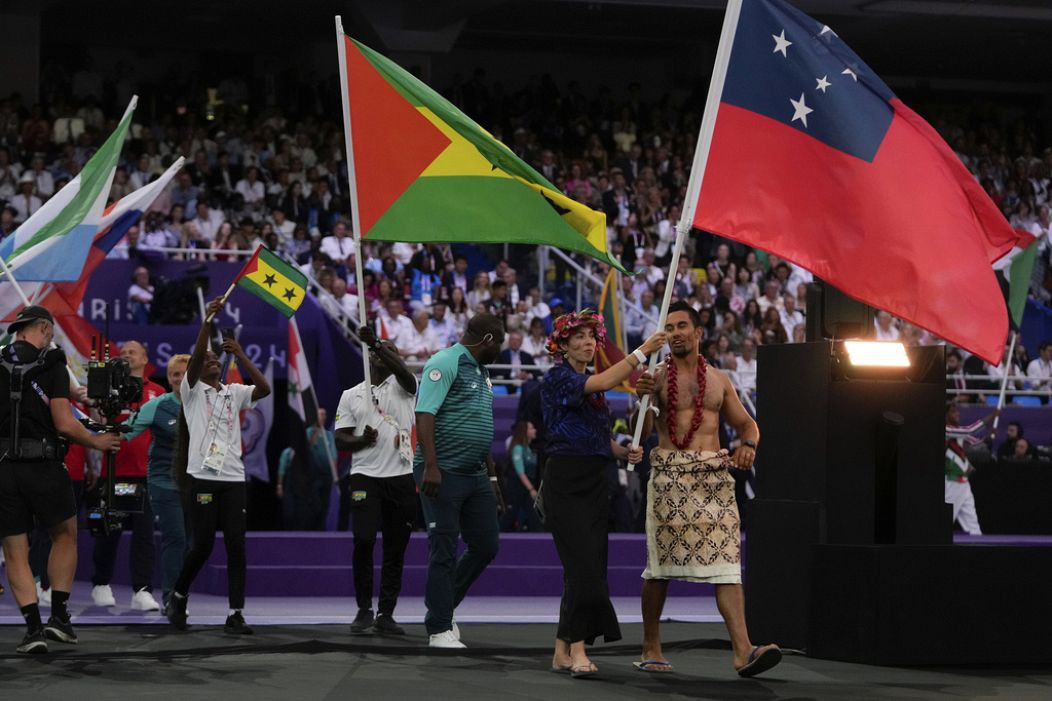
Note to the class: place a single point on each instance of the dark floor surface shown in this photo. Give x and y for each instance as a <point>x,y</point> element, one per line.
<point>503,661</point>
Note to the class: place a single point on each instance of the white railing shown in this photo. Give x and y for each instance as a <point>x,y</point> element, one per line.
<point>587,276</point>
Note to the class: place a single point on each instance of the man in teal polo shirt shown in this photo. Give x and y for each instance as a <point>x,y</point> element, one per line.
<point>452,466</point>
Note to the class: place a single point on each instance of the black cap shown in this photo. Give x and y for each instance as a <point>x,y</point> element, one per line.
<point>28,316</point>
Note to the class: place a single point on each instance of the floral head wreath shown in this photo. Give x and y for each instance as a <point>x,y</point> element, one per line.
<point>568,324</point>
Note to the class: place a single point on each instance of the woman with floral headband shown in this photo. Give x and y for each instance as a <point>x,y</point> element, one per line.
<point>574,493</point>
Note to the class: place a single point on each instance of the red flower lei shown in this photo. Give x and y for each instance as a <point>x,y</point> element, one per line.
<point>673,396</point>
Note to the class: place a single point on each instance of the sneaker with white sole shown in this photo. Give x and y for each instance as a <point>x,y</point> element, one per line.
<point>143,600</point>
<point>102,595</point>
<point>34,643</point>
<point>60,630</point>
<point>445,639</point>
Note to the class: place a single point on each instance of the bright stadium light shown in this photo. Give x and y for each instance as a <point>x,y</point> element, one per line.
<point>884,354</point>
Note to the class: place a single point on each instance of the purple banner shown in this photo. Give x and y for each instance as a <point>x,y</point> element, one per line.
<point>335,362</point>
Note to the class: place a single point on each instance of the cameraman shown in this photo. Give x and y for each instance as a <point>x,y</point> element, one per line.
<point>217,493</point>
<point>131,462</point>
<point>33,481</point>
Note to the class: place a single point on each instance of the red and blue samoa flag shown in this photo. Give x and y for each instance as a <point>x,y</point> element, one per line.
<point>813,158</point>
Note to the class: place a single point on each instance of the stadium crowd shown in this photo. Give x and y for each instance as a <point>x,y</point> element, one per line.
<point>275,175</point>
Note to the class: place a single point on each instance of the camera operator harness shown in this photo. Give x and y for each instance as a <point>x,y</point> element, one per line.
<point>14,446</point>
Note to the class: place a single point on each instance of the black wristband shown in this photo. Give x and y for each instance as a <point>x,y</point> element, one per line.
<point>750,443</point>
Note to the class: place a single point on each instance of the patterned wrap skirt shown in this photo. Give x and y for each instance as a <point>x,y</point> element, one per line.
<point>693,527</point>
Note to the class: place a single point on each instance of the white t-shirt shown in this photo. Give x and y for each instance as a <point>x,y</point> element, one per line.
<point>392,415</point>
<point>214,418</point>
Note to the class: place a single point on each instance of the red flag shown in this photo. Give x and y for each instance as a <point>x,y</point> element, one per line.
<point>813,158</point>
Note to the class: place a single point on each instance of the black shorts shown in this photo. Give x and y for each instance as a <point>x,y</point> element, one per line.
<point>28,489</point>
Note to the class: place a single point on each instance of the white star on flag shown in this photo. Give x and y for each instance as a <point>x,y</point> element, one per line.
<point>827,30</point>
<point>802,110</point>
<point>823,83</point>
<point>848,71</point>
<point>781,44</point>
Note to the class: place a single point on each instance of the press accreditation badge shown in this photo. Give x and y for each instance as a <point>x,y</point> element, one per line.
<point>405,446</point>
<point>215,457</point>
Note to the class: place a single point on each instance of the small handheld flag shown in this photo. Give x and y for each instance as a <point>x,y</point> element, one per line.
<point>273,280</point>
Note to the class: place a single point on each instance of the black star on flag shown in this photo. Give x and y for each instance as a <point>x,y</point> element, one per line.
<point>269,280</point>
<point>289,294</point>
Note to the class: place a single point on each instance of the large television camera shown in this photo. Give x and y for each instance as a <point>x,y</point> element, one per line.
<point>113,389</point>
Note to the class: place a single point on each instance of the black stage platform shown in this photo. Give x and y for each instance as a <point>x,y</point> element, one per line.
<point>503,662</point>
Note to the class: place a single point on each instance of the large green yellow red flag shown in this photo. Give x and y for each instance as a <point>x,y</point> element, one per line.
<point>425,172</point>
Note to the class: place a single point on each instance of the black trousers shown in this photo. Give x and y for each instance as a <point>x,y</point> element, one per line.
<point>142,554</point>
<point>577,502</point>
<point>388,505</point>
<point>215,505</point>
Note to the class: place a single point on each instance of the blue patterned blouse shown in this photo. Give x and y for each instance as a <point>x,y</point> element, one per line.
<point>575,423</point>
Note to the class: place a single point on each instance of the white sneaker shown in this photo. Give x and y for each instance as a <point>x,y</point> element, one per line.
<point>43,596</point>
<point>445,639</point>
<point>143,600</point>
<point>456,629</point>
<point>102,595</point>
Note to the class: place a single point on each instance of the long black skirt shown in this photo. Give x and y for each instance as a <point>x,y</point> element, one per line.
<point>577,508</point>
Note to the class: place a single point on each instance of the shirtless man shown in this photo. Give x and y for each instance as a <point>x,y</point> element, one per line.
<point>690,475</point>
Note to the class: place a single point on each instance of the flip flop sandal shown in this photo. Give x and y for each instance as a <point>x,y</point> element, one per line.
<point>759,663</point>
<point>654,666</point>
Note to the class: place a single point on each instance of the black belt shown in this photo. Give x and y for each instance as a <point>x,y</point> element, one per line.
<point>33,449</point>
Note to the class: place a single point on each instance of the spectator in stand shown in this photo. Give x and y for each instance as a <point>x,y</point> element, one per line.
<point>515,356</point>
<point>140,296</point>
<point>498,304</point>
<point>443,325</point>
<point>732,329</point>
<point>955,375</point>
<point>480,292</point>
<point>642,324</point>
<point>424,285</point>
<point>420,342</point>
<point>205,224</point>
<point>1040,370</point>
<point>7,221</point>
<point>295,205</point>
<point>772,297</point>
<point>392,324</point>
<point>457,277</point>
<point>384,293</point>
<point>348,302</point>
<point>184,193</point>
<point>538,309</point>
<point>792,318</point>
<point>510,277</point>
<point>25,203</point>
<point>746,367</point>
<point>1013,432</point>
<point>251,189</point>
<point>340,248</point>
<point>771,328</point>
<point>459,310</point>
<point>534,343</point>
<point>43,181</point>
<point>1023,450</point>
